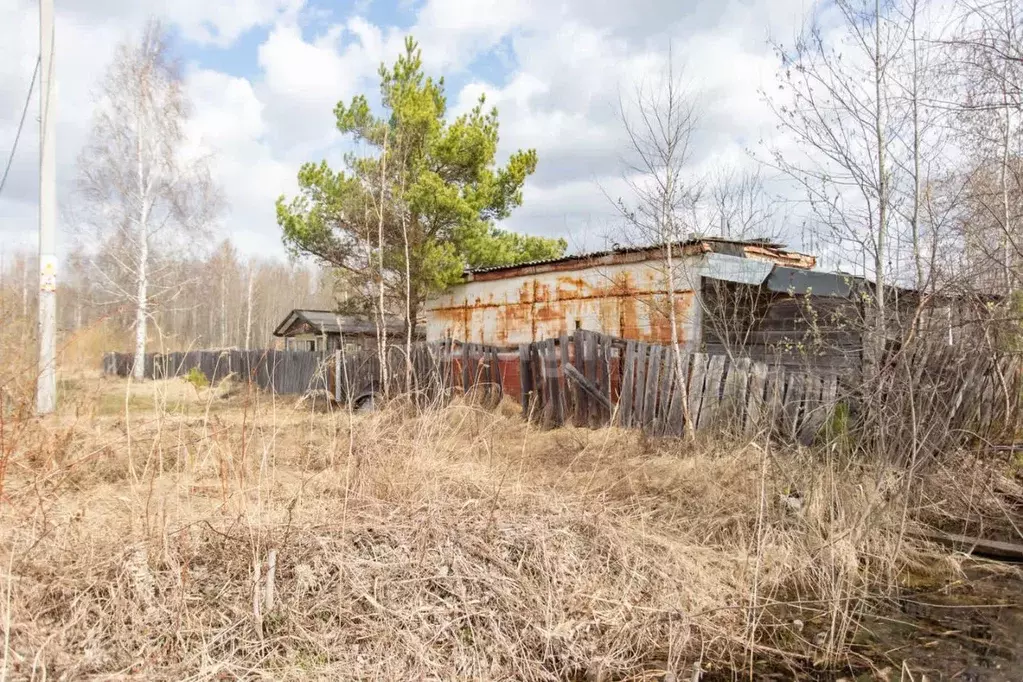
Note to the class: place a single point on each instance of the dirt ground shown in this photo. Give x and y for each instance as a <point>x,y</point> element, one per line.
<point>164,531</point>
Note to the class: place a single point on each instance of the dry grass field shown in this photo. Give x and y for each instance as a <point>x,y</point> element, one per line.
<point>159,531</point>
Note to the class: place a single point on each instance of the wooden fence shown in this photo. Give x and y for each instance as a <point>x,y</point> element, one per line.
<point>280,371</point>
<point>436,368</point>
<point>592,379</point>
<point>940,393</point>
<point>431,374</point>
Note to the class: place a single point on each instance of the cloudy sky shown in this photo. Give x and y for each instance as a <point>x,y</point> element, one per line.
<point>264,75</point>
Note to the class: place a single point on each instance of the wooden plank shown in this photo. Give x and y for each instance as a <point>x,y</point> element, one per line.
<point>813,412</point>
<point>604,378</point>
<point>477,366</point>
<point>1015,380</point>
<point>536,360</point>
<point>536,381</point>
<point>525,383</point>
<point>745,368</point>
<point>773,337</point>
<point>956,411</point>
<point>498,378</point>
<point>578,354</point>
<point>978,546</point>
<point>711,410</point>
<point>475,370</point>
<point>639,402</point>
<point>667,386</point>
<point>1000,396</point>
<point>774,396</point>
<point>829,397</point>
<point>971,413</point>
<point>794,391</point>
<point>628,377</point>
<point>754,411</point>
<point>465,368</point>
<point>543,393</point>
<point>338,369</point>
<point>590,370</point>
<point>674,424</point>
<point>567,390</point>
<point>536,369</point>
<point>734,396</point>
<point>556,406</point>
<point>653,377</point>
<point>487,374</point>
<point>696,386</point>
<point>586,386</point>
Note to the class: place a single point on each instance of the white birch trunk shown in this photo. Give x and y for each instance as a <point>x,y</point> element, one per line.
<point>141,310</point>
<point>915,220</point>
<point>882,187</point>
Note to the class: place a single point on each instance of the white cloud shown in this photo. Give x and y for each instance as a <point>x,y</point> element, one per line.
<point>569,62</point>
<point>228,120</point>
<point>453,31</point>
<point>202,21</point>
<point>82,52</point>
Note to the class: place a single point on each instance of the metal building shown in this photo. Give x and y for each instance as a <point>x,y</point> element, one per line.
<point>621,292</point>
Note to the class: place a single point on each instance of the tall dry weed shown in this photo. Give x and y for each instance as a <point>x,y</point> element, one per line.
<point>454,543</point>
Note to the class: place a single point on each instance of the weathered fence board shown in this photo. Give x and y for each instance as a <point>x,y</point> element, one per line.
<point>280,371</point>
<point>628,376</point>
<point>712,392</point>
<point>653,375</point>
<point>667,385</point>
<point>696,387</point>
<point>639,384</point>
<point>755,398</point>
<point>590,378</point>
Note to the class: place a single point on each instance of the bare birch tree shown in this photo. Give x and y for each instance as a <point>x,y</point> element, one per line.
<point>987,50</point>
<point>836,101</point>
<point>659,124</point>
<point>741,206</point>
<point>145,193</point>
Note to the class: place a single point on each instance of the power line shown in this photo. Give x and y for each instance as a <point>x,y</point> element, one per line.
<point>21,123</point>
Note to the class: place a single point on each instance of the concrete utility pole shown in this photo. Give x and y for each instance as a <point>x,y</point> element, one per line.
<point>46,387</point>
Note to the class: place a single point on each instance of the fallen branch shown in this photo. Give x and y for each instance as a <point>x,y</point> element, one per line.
<point>969,544</point>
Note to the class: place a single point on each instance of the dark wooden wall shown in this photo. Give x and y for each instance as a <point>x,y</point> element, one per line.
<point>792,331</point>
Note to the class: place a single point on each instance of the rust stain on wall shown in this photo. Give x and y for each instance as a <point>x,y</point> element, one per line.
<point>616,309</point>
<point>622,294</point>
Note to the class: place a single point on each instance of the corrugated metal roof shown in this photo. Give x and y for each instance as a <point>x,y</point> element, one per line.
<point>734,269</point>
<point>797,281</point>
<point>765,243</point>
<point>328,322</point>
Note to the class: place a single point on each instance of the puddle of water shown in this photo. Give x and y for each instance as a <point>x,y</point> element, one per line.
<point>971,631</point>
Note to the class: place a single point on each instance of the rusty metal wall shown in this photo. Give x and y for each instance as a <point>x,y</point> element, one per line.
<point>624,299</point>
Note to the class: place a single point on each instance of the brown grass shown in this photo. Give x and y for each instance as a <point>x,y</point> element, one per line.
<point>455,544</point>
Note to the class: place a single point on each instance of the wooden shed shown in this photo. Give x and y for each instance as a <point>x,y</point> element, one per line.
<point>324,330</point>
